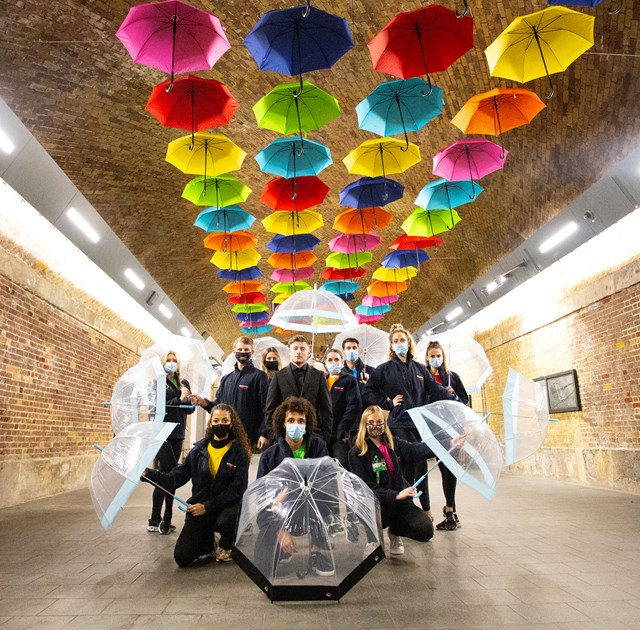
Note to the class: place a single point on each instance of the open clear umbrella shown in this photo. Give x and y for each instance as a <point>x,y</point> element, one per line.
<point>373,342</point>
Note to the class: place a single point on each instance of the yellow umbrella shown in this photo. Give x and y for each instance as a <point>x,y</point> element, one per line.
<point>236,260</point>
<point>290,223</point>
<point>394,275</point>
<point>381,157</point>
<point>211,154</point>
<point>540,44</point>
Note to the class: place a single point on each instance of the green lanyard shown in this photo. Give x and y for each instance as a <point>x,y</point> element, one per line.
<point>379,465</point>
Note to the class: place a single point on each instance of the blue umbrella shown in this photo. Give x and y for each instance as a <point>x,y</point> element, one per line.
<point>404,258</point>
<point>293,244</point>
<point>339,287</point>
<point>442,194</point>
<point>346,297</point>
<point>229,219</point>
<point>587,3</point>
<point>289,157</point>
<point>370,192</point>
<point>299,39</point>
<point>395,107</point>
<point>372,310</point>
<point>256,330</point>
<point>250,273</point>
<point>254,318</point>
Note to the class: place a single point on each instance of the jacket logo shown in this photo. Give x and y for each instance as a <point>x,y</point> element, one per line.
<point>231,466</point>
<point>340,389</point>
<point>243,386</point>
<point>421,378</point>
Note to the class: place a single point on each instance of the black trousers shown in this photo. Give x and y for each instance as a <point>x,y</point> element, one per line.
<point>196,537</point>
<point>340,450</point>
<point>404,518</point>
<point>449,483</point>
<point>168,457</point>
<point>419,468</point>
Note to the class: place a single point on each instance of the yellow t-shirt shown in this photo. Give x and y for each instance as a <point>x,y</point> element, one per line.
<point>331,380</point>
<point>215,457</point>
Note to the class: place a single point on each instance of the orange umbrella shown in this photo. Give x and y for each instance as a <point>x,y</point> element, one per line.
<point>245,286</point>
<point>230,241</point>
<point>292,261</point>
<point>354,221</point>
<point>384,289</point>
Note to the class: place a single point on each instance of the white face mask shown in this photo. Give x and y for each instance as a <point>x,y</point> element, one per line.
<point>435,362</point>
<point>334,368</point>
<point>401,349</point>
<point>170,367</point>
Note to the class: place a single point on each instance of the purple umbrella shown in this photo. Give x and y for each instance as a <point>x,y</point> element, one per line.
<point>352,243</point>
<point>291,275</point>
<point>469,159</point>
<point>173,37</point>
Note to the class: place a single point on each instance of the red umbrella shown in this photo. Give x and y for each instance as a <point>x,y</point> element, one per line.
<point>292,275</point>
<point>247,298</point>
<point>422,41</point>
<point>333,273</point>
<point>415,242</point>
<point>297,193</point>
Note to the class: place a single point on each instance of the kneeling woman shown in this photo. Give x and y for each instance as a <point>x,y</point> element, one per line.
<point>378,459</point>
<point>218,466</point>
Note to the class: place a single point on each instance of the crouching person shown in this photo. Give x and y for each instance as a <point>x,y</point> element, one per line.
<point>218,467</point>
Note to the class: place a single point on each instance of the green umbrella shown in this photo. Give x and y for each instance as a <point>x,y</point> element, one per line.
<point>295,107</point>
<point>429,222</point>
<point>250,308</point>
<point>218,192</point>
<point>290,287</point>
<point>348,261</point>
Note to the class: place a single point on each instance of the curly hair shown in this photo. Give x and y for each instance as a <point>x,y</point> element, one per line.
<point>237,430</point>
<point>299,405</point>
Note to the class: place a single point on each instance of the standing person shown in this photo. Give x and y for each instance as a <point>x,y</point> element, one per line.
<point>437,362</point>
<point>353,362</point>
<point>244,389</point>
<point>271,362</point>
<point>177,395</point>
<point>298,379</point>
<point>378,458</point>
<point>346,405</point>
<point>400,384</point>
<point>218,467</point>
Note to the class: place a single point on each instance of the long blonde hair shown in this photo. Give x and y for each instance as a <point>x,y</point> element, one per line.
<point>361,442</point>
<point>400,328</point>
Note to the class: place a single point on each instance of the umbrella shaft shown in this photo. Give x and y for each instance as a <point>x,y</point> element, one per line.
<point>177,498</point>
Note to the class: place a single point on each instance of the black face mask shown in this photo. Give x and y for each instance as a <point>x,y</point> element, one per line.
<point>271,365</point>
<point>221,430</point>
<point>243,357</point>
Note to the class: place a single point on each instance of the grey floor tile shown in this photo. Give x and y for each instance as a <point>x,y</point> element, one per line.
<point>620,611</point>
<point>541,595</point>
<point>102,622</point>
<point>487,597</point>
<point>137,606</point>
<point>175,622</point>
<point>549,613</point>
<point>79,591</point>
<point>86,606</point>
<point>33,590</point>
<point>23,606</point>
<point>42,621</point>
<point>598,593</point>
<point>610,624</point>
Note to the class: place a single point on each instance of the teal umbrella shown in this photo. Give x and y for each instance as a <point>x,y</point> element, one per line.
<point>288,157</point>
<point>229,219</point>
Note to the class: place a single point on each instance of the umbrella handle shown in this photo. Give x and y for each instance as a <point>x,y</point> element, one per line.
<point>173,51</point>
<point>617,9</point>
<point>307,9</point>
<point>465,10</point>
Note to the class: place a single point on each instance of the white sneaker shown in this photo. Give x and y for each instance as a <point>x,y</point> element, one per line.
<point>396,546</point>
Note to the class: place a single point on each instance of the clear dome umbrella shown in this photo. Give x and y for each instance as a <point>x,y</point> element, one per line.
<point>260,346</point>
<point>373,342</point>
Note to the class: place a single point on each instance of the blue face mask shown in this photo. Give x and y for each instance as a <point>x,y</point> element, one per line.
<point>352,355</point>
<point>170,367</point>
<point>401,349</point>
<point>296,431</point>
<point>435,362</point>
<point>334,368</point>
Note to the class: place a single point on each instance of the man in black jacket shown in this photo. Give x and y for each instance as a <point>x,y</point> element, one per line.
<point>298,379</point>
<point>353,362</point>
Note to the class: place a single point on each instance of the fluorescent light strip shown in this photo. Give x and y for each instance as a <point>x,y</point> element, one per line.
<point>491,287</point>
<point>558,237</point>
<point>185,332</point>
<point>5,143</point>
<point>134,279</point>
<point>454,313</point>
<point>79,221</point>
<point>165,311</point>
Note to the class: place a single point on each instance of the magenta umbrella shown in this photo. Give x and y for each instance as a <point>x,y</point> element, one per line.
<point>353,243</point>
<point>368,319</point>
<point>292,275</point>
<point>173,37</point>
<point>372,300</point>
<point>469,159</point>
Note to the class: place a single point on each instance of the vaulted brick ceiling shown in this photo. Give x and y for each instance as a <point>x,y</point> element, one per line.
<point>73,84</point>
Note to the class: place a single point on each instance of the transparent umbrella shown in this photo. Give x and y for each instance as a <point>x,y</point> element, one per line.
<point>321,509</point>
<point>373,342</point>
<point>260,346</point>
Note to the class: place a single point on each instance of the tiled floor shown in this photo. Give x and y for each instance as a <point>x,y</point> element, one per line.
<point>542,555</point>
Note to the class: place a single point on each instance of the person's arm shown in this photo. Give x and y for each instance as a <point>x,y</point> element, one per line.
<point>325,408</point>
<point>459,388</point>
<point>361,466</point>
<point>351,416</point>
<point>176,478</point>
<point>412,451</point>
<point>373,392</point>
<point>435,391</point>
<point>263,388</point>
<point>274,398</point>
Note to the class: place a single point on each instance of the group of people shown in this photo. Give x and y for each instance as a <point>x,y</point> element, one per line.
<point>347,410</point>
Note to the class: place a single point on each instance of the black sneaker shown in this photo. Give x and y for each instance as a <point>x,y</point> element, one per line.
<point>455,516</point>
<point>166,528</point>
<point>321,564</point>
<point>448,524</point>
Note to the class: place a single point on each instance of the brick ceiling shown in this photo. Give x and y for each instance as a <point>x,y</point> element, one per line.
<point>74,86</point>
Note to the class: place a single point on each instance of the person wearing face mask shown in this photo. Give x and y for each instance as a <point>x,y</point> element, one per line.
<point>244,389</point>
<point>437,362</point>
<point>353,363</point>
<point>271,362</point>
<point>346,404</point>
<point>378,458</point>
<point>177,397</point>
<point>400,384</point>
<point>218,467</point>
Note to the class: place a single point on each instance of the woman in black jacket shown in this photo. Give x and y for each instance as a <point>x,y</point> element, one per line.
<point>177,395</point>
<point>378,458</point>
<point>437,362</point>
<point>218,467</point>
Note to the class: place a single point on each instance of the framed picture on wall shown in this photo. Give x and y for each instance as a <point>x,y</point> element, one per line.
<point>562,392</point>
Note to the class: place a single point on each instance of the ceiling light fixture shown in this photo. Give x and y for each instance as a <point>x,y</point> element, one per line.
<point>558,237</point>
<point>5,143</point>
<point>134,279</point>
<point>185,332</point>
<point>454,313</point>
<point>165,311</point>
<point>80,222</point>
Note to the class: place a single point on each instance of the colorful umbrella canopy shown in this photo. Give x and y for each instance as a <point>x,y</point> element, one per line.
<point>351,243</point>
<point>289,288</point>
<point>420,42</point>
<point>294,108</point>
<point>401,259</point>
<point>290,158</point>
<point>254,319</point>
<point>292,261</point>
<point>348,261</point>
<point>254,330</point>
<point>296,194</point>
<point>290,223</point>
<point>331,273</point>
<point>368,192</point>
<point>220,191</point>
<point>293,41</point>
<point>372,300</point>
<point>346,297</point>
<point>211,154</point>
<point>386,289</point>
<point>250,308</point>
<point>251,273</point>
<point>368,311</point>
<point>394,275</point>
<point>229,219</point>
<point>293,244</point>
<point>396,107</point>
<point>381,157</point>
<point>230,242</point>
<point>441,194</point>
<point>236,260</point>
<point>340,287</point>
<point>243,287</point>
<point>429,222</point>
<point>291,275</point>
<point>368,319</point>
<point>406,242</point>
<point>247,298</point>
<point>540,44</point>
<point>361,221</point>
<point>173,37</point>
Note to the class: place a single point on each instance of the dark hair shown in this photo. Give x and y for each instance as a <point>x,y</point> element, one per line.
<point>435,345</point>
<point>299,405</point>
<point>350,340</point>
<point>331,351</point>
<point>299,339</point>
<point>237,429</point>
<point>264,356</point>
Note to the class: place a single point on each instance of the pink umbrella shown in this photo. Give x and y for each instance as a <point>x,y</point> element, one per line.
<point>173,37</point>
<point>469,159</point>
<point>368,319</point>
<point>255,322</point>
<point>291,275</point>
<point>372,300</point>
<point>353,243</point>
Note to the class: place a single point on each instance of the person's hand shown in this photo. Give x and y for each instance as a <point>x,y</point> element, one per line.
<point>197,509</point>
<point>286,542</point>
<point>345,440</point>
<point>458,441</point>
<point>263,442</point>
<point>398,400</point>
<point>450,390</point>
<point>407,493</point>
<point>364,377</point>
<point>195,399</point>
